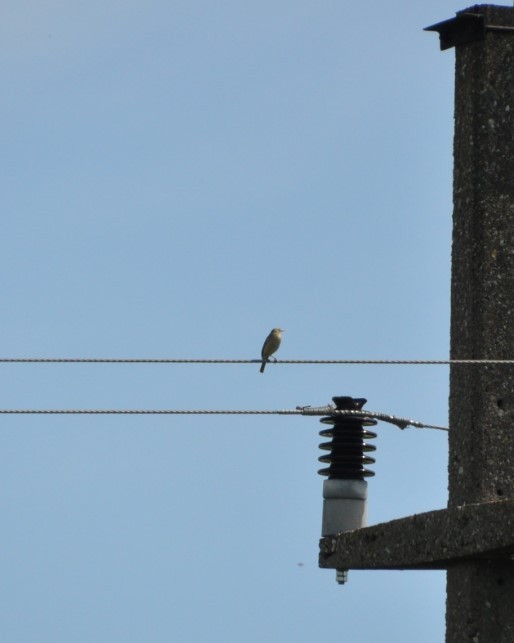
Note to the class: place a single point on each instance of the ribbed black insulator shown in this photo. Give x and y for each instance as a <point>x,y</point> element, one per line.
<point>347,448</point>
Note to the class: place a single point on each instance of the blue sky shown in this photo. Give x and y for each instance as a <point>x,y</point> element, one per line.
<point>179,178</point>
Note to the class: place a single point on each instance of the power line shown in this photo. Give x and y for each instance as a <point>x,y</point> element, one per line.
<point>158,360</point>
<point>400,422</point>
<point>144,412</point>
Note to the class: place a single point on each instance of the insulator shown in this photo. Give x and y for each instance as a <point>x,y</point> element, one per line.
<point>348,446</point>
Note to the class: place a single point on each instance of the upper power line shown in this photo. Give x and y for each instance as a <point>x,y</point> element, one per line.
<point>165,360</point>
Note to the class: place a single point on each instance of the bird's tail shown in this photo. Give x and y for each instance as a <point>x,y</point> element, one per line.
<point>263,365</point>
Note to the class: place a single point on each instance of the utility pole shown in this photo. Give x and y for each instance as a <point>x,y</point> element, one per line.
<point>473,539</point>
<point>480,593</point>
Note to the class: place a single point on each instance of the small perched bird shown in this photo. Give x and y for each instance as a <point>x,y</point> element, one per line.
<point>270,346</point>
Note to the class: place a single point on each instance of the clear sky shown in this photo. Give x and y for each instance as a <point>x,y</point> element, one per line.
<point>178,178</point>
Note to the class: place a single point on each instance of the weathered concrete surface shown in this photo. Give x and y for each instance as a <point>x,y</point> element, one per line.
<point>433,540</point>
<point>481,466</point>
<point>480,594</point>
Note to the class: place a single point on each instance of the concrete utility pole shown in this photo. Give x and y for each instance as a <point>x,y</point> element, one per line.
<point>480,593</point>
<point>474,537</point>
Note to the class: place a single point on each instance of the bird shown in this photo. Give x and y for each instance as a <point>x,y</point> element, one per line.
<point>270,346</point>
